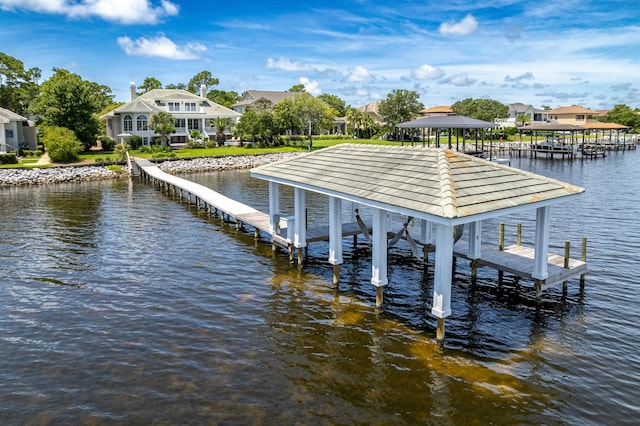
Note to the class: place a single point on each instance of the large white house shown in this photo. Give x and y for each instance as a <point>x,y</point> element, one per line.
<point>191,112</point>
<point>535,115</point>
<point>16,132</point>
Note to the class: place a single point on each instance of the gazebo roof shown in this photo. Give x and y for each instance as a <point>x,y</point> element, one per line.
<point>552,127</point>
<point>430,183</point>
<point>447,122</point>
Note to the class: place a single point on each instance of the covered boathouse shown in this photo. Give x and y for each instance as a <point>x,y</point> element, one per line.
<point>440,188</point>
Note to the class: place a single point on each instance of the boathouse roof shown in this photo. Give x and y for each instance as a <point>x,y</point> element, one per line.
<point>430,183</point>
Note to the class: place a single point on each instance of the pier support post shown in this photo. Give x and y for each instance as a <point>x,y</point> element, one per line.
<point>567,253</point>
<point>300,234</point>
<point>475,246</point>
<point>584,259</point>
<point>443,273</point>
<point>440,331</point>
<point>335,236</point>
<point>501,237</point>
<point>540,261</point>
<point>379,296</point>
<point>379,253</point>
<point>425,237</point>
<point>274,207</point>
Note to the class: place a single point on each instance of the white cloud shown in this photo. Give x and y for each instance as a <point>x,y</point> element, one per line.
<point>459,80</point>
<point>359,73</point>
<point>120,11</point>
<point>464,27</point>
<point>160,46</point>
<point>286,64</point>
<point>426,72</point>
<point>312,87</point>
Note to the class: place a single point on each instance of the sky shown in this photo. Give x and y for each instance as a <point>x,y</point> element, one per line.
<point>572,52</point>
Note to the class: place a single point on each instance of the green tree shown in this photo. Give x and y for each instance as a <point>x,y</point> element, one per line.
<point>66,100</point>
<point>61,144</point>
<point>623,114</point>
<point>149,83</point>
<point>297,88</point>
<point>221,123</point>
<point>313,114</point>
<point>226,99</point>
<point>179,86</point>
<point>522,119</point>
<point>203,77</point>
<point>334,102</point>
<point>285,117</point>
<point>18,87</point>
<point>163,123</point>
<point>400,106</point>
<point>362,125</point>
<point>481,109</point>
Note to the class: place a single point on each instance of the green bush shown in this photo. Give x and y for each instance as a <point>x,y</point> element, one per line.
<point>120,152</point>
<point>134,141</point>
<point>210,144</point>
<point>37,153</point>
<point>107,143</point>
<point>62,144</point>
<point>9,158</point>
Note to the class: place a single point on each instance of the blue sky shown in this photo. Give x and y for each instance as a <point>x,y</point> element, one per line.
<point>571,52</point>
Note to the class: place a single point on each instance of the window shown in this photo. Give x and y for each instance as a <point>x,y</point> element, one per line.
<point>174,106</point>
<point>194,124</point>
<point>141,123</point>
<point>128,124</point>
<point>179,123</point>
<point>189,106</point>
<point>8,133</point>
<point>579,117</point>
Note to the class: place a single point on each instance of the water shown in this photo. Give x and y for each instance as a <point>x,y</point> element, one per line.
<point>121,306</point>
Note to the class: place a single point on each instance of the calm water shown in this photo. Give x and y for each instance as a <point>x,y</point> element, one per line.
<point>121,306</point>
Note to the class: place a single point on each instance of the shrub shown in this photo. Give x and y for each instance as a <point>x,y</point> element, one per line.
<point>134,141</point>
<point>120,152</point>
<point>107,143</point>
<point>62,144</point>
<point>210,144</point>
<point>9,158</point>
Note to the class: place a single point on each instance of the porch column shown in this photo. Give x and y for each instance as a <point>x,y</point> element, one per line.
<point>442,277</point>
<point>274,207</point>
<point>335,236</point>
<point>543,215</point>
<point>379,253</point>
<point>425,231</point>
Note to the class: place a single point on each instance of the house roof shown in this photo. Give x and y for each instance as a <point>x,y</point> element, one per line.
<point>372,110</point>
<point>604,126</point>
<point>156,100</point>
<point>9,115</point>
<point>430,183</point>
<point>574,109</point>
<point>447,122</point>
<point>251,96</point>
<point>438,109</point>
<point>553,127</point>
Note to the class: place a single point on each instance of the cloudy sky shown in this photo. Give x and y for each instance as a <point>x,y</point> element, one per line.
<point>572,52</point>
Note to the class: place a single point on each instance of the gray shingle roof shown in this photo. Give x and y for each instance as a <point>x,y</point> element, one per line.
<point>427,182</point>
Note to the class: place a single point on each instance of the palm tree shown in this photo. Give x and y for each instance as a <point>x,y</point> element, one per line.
<point>162,123</point>
<point>522,119</point>
<point>220,123</point>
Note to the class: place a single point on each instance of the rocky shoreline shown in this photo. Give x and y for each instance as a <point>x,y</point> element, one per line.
<point>38,176</point>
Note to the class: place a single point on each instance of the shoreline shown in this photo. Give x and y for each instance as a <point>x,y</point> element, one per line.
<point>85,173</point>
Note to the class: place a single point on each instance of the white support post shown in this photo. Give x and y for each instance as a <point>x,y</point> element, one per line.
<point>475,240</point>
<point>300,206</point>
<point>335,231</point>
<point>379,249</point>
<point>425,231</point>
<point>443,273</point>
<point>274,207</point>
<point>540,271</point>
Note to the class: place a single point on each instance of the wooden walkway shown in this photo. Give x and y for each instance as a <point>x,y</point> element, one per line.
<point>237,211</point>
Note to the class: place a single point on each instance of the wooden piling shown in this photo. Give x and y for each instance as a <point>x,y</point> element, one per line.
<point>584,259</point>
<point>519,235</point>
<point>567,251</point>
<point>300,257</point>
<point>440,330</point>
<point>501,237</point>
<point>336,274</point>
<point>379,296</point>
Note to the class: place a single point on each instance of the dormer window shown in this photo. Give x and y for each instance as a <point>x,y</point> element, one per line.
<point>190,106</point>
<point>174,106</point>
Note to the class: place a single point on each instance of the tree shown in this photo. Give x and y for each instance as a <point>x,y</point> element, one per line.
<point>179,86</point>
<point>622,114</point>
<point>221,123</point>
<point>334,102</point>
<point>312,114</point>
<point>285,117</point>
<point>61,144</point>
<point>66,100</point>
<point>18,87</point>
<point>162,123</point>
<point>481,109</point>
<point>400,106</point>
<point>226,99</point>
<point>149,83</point>
<point>522,119</point>
<point>362,124</point>
<point>203,77</point>
<point>299,88</point>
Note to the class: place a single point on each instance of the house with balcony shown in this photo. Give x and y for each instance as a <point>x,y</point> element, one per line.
<point>534,115</point>
<point>191,112</point>
<point>16,132</point>
<point>267,97</point>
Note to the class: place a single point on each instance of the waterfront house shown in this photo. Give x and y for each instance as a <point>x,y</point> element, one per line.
<point>437,110</point>
<point>535,115</point>
<point>252,97</point>
<point>191,112</point>
<point>16,132</point>
<point>575,115</point>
